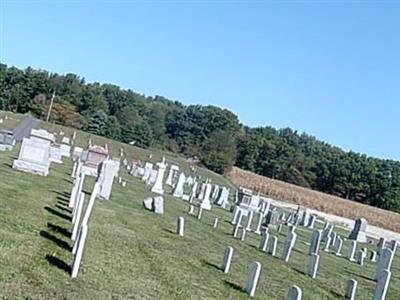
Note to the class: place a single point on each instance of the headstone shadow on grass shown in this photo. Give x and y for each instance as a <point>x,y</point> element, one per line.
<point>234,286</point>
<point>59,242</point>
<point>169,231</point>
<point>360,275</point>
<point>57,213</point>
<point>59,229</point>
<point>63,208</point>
<point>204,262</point>
<point>62,195</point>
<point>55,261</point>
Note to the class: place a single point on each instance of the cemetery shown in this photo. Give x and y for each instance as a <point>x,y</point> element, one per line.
<point>84,217</point>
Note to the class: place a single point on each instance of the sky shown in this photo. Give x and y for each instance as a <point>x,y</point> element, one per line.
<point>327,68</point>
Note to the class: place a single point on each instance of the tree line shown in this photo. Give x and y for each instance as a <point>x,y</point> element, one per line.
<point>212,134</point>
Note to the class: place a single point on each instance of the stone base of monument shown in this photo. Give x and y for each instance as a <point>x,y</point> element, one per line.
<point>360,237</point>
<point>30,167</point>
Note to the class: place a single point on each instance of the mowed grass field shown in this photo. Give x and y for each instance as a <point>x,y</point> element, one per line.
<point>134,254</point>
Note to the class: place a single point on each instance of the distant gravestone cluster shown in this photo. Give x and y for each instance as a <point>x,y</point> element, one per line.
<point>251,214</point>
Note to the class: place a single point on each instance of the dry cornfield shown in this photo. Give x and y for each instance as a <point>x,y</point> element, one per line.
<point>280,190</point>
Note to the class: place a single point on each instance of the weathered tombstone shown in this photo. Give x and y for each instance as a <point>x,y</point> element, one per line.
<point>381,245</point>
<point>158,204</point>
<point>359,231</point>
<point>123,183</point>
<point>109,169</point>
<point>295,293</point>
<point>199,213</point>
<point>313,262</point>
<point>327,243</point>
<point>158,184</point>
<point>273,245</point>
<point>264,240</point>
<point>215,225</point>
<point>206,203</point>
<point>373,256</point>
<point>249,220</point>
<point>279,229</point>
<point>95,156</point>
<point>351,289</point>
<point>338,246</point>
<point>55,154</point>
<point>352,250</point>
<point>382,285</point>
<point>259,221</point>
<point>243,232</point>
<point>289,244</point>
<point>76,189</point>
<point>34,157</point>
<point>227,259</point>
<point>361,257</point>
<point>333,239</point>
<point>385,261</point>
<point>148,167</point>
<point>7,140</point>
<point>191,210</point>
<point>180,230</point>
<point>178,191</point>
<point>315,242</point>
<point>252,278</point>
<point>235,214</point>
<point>311,221</point>
<point>171,173</point>
<point>393,246</point>
<point>79,252</point>
<point>77,217</point>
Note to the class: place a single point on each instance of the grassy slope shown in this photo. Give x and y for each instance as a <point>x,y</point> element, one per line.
<point>133,254</point>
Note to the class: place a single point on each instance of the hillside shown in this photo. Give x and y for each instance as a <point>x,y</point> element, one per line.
<point>134,254</point>
<point>212,134</point>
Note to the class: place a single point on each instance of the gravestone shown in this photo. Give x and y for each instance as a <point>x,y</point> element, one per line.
<point>65,150</point>
<point>252,278</point>
<point>34,157</point>
<point>311,221</point>
<point>249,220</point>
<point>351,289</point>
<point>147,171</point>
<point>7,140</point>
<point>227,259</point>
<point>80,249</point>
<point>359,231</point>
<point>289,244</point>
<point>352,250</point>
<point>382,285</point>
<point>338,246</point>
<point>295,293</point>
<point>315,242</point>
<point>385,262</point>
<point>273,245</point>
<point>313,262</point>
<point>172,170</point>
<point>206,203</point>
<point>259,221</point>
<point>108,170</point>
<point>77,152</point>
<point>77,216</point>
<point>361,257</point>
<point>180,230</point>
<point>158,184</point>
<point>178,191</point>
<point>223,197</point>
<point>155,204</point>
<point>199,213</point>
<point>55,154</point>
<point>264,241</point>
<point>381,245</point>
<point>215,225</point>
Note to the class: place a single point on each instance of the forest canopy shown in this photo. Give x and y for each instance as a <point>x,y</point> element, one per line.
<point>213,134</point>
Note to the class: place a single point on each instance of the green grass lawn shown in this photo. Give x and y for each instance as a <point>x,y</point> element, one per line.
<point>134,254</point>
